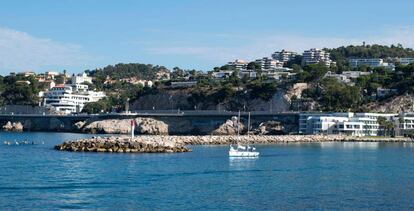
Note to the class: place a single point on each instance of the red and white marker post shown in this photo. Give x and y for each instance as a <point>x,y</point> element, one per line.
<point>132,128</point>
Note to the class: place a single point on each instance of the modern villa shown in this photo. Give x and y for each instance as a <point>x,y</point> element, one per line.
<point>356,124</point>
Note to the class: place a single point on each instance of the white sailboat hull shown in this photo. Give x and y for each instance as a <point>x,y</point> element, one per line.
<point>243,154</point>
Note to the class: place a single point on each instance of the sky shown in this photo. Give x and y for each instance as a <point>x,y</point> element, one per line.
<point>76,35</point>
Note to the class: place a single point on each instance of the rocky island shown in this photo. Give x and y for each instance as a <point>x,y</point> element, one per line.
<point>123,144</point>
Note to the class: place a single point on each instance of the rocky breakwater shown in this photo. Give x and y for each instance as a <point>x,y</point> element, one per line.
<point>271,139</point>
<point>149,144</point>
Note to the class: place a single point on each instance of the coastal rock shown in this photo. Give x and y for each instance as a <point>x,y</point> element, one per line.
<point>123,145</point>
<point>110,126</point>
<point>269,128</point>
<point>79,125</point>
<point>123,126</point>
<point>15,126</point>
<point>230,127</point>
<point>151,126</point>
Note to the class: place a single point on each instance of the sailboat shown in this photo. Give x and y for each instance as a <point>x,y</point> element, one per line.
<point>243,151</point>
<point>240,150</point>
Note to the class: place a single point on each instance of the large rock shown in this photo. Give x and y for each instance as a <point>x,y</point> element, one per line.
<point>15,126</point>
<point>151,126</point>
<point>111,126</point>
<point>269,128</point>
<point>123,126</point>
<point>230,127</point>
<point>79,125</point>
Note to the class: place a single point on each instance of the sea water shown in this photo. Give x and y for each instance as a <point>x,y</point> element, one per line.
<point>285,176</point>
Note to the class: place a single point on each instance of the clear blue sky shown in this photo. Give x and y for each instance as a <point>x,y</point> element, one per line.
<point>82,34</point>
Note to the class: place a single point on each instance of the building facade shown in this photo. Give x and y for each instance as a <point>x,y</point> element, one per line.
<point>355,124</point>
<point>284,56</point>
<point>71,98</point>
<point>314,56</point>
<point>373,63</point>
<point>266,63</point>
<point>238,64</point>
<point>406,61</point>
<point>81,78</point>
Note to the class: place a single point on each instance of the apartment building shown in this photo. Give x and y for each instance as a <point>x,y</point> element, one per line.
<point>238,64</point>
<point>406,61</point>
<point>314,56</point>
<point>266,63</point>
<point>355,124</point>
<point>284,55</point>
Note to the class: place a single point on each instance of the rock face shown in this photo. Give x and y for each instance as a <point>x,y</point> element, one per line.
<point>151,126</point>
<point>230,127</point>
<point>402,103</point>
<point>123,126</point>
<point>111,126</point>
<point>269,128</point>
<point>123,144</point>
<point>15,126</point>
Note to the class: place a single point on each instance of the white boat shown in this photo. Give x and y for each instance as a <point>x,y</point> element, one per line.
<point>243,151</point>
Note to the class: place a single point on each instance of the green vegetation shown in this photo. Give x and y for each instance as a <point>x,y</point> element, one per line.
<point>19,90</point>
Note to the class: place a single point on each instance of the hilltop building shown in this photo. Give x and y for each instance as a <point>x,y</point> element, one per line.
<point>266,63</point>
<point>81,78</point>
<point>284,56</point>
<point>373,62</point>
<point>405,61</point>
<point>314,56</point>
<point>238,64</point>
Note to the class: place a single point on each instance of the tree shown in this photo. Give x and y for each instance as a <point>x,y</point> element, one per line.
<point>386,126</point>
<point>253,66</point>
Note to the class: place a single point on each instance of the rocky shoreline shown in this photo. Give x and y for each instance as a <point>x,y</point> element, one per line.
<point>170,144</point>
<point>122,145</point>
<point>269,139</point>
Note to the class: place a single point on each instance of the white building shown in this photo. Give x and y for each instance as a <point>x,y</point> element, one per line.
<point>373,62</point>
<point>70,98</point>
<point>356,124</point>
<point>314,56</point>
<point>81,78</point>
<point>248,73</point>
<point>222,74</point>
<point>406,61</point>
<point>405,124</point>
<point>51,74</point>
<point>284,56</point>
<point>266,63</point>
<point>238,64</point>
<point>346,76</point>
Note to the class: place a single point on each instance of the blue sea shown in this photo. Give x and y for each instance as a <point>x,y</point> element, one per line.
<point>285,176</point>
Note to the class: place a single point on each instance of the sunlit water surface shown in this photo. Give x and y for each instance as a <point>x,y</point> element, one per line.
<point>293,176</point>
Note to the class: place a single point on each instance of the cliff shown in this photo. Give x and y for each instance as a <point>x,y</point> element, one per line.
<point>402,103</point>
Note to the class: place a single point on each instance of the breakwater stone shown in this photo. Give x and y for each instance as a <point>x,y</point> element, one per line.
<point>122,145</point>
<point>169,144</point>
